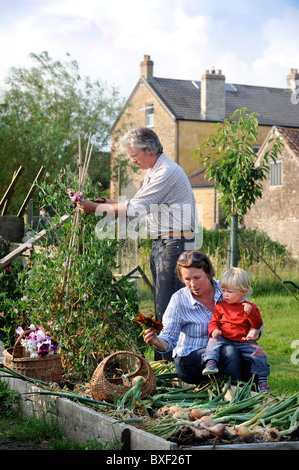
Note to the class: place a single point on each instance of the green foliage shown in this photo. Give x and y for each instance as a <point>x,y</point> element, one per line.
<point>8,398</point>
<point>232,163</point>
<point>69,288</point>
<point>9,293</point>
<point>46,108</point>
<point>217,241</point>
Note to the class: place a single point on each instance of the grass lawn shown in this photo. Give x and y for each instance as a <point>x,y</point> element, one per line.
<point>280,313</point>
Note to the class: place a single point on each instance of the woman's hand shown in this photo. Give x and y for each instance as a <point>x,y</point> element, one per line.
<point>151,338</point>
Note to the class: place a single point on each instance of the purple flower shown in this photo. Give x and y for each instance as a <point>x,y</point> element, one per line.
<point>43,350</point>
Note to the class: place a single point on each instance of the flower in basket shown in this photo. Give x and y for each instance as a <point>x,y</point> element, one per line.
<point>75,197</point>
<point>37,343</point>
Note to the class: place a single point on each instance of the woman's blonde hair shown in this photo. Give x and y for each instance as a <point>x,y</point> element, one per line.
<point>236,278</point>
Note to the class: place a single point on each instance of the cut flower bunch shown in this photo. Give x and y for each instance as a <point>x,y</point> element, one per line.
<point>37,343</point>
<point>148,323</point>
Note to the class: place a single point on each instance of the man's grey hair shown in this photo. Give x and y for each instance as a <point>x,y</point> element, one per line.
<point>141,138</point>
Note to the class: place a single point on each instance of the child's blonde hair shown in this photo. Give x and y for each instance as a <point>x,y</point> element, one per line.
<point>236,278</point>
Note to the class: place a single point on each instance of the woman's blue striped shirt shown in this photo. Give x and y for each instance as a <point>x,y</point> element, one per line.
<point>186,322</point>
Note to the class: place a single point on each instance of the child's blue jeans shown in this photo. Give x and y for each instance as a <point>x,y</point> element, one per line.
<point>250,351</point>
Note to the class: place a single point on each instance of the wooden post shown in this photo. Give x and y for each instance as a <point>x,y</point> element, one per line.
<point>8,193</point>
<point>27,198</point>
<point>234,241</point>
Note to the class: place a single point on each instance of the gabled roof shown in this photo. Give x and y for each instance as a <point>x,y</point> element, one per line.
<point>291,138</point>
<point>183,100</point>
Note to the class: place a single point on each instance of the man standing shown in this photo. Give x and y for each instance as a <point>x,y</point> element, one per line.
<point>167,201</point>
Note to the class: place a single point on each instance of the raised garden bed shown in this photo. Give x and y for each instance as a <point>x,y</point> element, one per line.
<point>82,423</point>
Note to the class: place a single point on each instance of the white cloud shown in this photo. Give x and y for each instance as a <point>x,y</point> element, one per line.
<point>108,38</point>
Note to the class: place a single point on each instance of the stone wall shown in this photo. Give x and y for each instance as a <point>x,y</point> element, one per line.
<point>277,212</point>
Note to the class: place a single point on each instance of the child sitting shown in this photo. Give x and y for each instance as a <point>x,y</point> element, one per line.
<point>233,322</point>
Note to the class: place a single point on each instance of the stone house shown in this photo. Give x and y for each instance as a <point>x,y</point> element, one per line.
<point>183,111</point>
<point>277,212</point>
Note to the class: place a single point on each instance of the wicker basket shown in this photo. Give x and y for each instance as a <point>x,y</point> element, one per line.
<point>103,388</point>
<point>47,369</point>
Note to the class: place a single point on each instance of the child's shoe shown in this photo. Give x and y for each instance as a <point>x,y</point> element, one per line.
<point>211,368</point>
<point>263,387</point>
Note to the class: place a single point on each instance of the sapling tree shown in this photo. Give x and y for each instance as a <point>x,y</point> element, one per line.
<point>238,172</point>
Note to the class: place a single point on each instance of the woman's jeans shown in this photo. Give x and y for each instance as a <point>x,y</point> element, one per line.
<point>189,368</point>
<point>163,260</point>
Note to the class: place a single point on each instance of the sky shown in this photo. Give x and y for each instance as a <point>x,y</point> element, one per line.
<point>253,42</point>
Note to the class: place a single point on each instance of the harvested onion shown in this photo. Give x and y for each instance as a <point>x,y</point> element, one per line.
<point>197,413</point>
<point>272,434</point>
<point>201,434</point>
<point>217,430</point>
<point>243,431</point>
<point>136,378</point>
<point>180,414</point>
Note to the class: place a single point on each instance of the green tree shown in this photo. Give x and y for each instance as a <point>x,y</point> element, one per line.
<point>229,160</point>
<point>46,108</point>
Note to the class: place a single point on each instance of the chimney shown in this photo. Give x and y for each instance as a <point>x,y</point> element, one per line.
<point>213,96</point>
<point>292,78</point>
<point>147,68</point>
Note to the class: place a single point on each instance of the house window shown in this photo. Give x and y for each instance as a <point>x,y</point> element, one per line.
<point>150,115</point>
<point>275,174</point>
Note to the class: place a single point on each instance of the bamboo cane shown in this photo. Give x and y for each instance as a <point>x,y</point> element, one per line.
<point>82,176</point>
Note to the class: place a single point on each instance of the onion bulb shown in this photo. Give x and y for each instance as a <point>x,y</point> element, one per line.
<point>243,430</point>
<point>174,409</point>
<point>217,430</point>
<point>197,413</point>
<point>272,434</point>
<point>206,421</point>
<point>163,411</point>
<point>180,414</point>
<point>201,434</point>
<point>137,378</point>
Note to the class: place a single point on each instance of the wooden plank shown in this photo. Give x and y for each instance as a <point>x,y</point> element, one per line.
<point>18,251</point>
<point>284,445</point>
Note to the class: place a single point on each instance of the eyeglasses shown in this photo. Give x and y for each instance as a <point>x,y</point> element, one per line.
<point>193,256</point>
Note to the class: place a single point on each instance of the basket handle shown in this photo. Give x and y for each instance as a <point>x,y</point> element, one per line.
<point>26,332</point>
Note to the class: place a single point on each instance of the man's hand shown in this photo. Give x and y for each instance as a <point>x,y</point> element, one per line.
<point>87,207</point>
